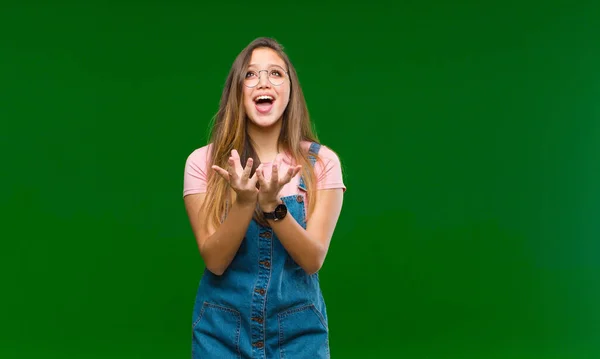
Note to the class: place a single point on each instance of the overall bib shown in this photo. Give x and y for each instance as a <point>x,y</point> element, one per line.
<point>264,305</point>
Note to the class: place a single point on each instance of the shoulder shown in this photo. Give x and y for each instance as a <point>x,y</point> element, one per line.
<point>195,174</point>
<point>199,156</point>
<point>328,169</point>
<point>326,154</point>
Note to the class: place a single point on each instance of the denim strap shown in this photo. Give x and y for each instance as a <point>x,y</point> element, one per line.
<point>312,151</point>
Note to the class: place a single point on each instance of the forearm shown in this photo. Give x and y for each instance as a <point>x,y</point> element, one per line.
<point>301,246</point>
<point>307,247</point>
<point>220,248</point>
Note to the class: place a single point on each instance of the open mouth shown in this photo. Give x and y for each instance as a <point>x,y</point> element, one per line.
<point>264,103</point>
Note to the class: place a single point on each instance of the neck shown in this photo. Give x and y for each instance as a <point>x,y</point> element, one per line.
<point>265,140</point>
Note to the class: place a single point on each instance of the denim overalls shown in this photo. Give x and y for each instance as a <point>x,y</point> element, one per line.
<point>264,305</point>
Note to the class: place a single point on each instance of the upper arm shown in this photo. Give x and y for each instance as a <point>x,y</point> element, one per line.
<point>322,222</point>
<point>202,229</point>
<point>328,197</point>
<point>194,192</point>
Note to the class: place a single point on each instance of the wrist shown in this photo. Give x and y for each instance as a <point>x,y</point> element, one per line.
<point>270,205</point>
<point>245,203</point>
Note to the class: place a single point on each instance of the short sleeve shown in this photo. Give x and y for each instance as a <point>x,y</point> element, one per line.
<point>328,170</point>
<point>195,175</point>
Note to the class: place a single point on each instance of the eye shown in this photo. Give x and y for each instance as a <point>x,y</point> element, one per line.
<point>276,73</point>
<point>249,74</point>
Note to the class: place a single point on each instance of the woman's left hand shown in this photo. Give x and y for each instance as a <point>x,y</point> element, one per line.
<point>268,195</point>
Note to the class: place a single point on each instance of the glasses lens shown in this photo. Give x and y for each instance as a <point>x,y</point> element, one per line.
<point>251,79</point>
<point>276,75</point>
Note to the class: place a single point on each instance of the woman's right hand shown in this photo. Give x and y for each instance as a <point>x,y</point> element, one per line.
<point>239,178</point>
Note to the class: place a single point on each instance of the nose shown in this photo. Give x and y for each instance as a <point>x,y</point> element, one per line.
<point>263,80</point>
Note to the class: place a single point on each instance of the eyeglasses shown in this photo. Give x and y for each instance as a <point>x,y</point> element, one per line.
<point>276,75</point>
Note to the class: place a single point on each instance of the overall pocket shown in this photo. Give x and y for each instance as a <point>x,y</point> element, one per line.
<point>303,333</point>
<point>216,332</point>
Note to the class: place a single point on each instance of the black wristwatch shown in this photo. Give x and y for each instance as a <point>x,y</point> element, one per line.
<point>278,214</point>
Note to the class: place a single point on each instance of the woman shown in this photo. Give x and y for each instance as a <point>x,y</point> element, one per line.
<point>263,217</point>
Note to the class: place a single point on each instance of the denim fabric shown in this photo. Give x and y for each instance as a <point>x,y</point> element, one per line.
<point>264,305</point>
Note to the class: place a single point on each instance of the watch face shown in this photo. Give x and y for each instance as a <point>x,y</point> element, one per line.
<point>280,211</point>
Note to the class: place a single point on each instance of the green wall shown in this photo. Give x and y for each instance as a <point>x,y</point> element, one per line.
<point>469,134</point>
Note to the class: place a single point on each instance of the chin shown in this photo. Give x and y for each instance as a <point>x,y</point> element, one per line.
<point>264,121</point>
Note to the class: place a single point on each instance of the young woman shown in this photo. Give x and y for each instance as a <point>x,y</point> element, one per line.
<point>263,199</point>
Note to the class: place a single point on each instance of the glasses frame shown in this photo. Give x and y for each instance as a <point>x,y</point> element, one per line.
<point>268,78</point>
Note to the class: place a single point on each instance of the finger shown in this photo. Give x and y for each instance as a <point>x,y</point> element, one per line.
<point>223,173</point>
<point>280,164</point>
<point>231,169</point>
<point>275,172</point>
<point>260,176</point>
<point>280,161</point>
<point>237,162</point>
<point>289,174</point>
<point>248,169</point>
<point>297,170</point>
<point>252,181</point>
<point>286,178</point>
<point>255,175</point>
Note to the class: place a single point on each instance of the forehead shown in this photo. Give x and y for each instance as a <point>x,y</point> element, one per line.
<point>265,57</point>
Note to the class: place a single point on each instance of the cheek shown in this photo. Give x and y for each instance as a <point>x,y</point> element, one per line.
<point>248,103</point>
<point>284,104</point>
<point>285,97</point>
<point>245,96</point>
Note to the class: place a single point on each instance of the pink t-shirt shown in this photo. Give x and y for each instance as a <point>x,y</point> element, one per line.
<point>328,171</point>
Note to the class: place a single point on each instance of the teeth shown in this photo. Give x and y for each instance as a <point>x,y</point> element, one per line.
<point>264,97</point>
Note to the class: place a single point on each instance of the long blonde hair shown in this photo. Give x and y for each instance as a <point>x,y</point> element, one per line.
<point>229,132</point>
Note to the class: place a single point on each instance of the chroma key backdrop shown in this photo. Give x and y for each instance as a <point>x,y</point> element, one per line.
<point>468,131</point>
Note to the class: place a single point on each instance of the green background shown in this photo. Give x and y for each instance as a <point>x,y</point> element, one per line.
<point>469,134</point>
